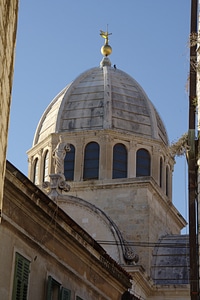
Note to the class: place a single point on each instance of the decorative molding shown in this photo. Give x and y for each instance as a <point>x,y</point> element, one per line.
<point>106,138</point>
<point>129,254</point>
<point>56,185</point>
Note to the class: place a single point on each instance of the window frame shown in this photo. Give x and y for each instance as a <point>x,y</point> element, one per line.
<point>45,166</point>
<point>52,283</point>
<point>91,156</point>
<point>69,154</point>
<point>120,161</point>
<point>36,171</point>
<point>143,162</point>
<point>21,277</point>
<point>62,292</point>
<point>65,294</point>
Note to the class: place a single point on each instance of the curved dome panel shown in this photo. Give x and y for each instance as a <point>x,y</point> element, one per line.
<point>47,123</point>
<point>171,260</point>
<point>102,98</point>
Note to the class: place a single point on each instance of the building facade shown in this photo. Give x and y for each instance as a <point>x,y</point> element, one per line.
<point>101,152</point>
<point>44,254</point>
<point>97,221</point>
<point>8,29</point>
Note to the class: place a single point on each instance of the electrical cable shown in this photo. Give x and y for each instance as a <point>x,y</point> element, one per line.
<point>145,244</point>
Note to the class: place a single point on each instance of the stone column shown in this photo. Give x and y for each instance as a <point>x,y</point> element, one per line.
<point>171,169</point>
<point>30,167</point>
<point>165,161</point>
<point>51,159</point>
<point>40,164</point>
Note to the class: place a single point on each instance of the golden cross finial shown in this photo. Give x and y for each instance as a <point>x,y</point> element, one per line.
<point>105,34</point>
<point>105,49</point>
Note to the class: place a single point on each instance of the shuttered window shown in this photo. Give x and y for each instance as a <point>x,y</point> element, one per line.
<point>21,275</point>
<point>65,294</point>
<point>55,291</point>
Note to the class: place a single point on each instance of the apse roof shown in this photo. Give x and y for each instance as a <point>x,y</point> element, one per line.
<point>170,263</point>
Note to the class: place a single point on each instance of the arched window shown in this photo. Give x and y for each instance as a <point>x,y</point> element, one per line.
<point>46,166</point>
<point>119,161</point>
<point>161,172</point>
<point>143,163</point>
<point>91,161</point>
<point>36,172</point>
<point>69,164</point>
<point>167,181</point>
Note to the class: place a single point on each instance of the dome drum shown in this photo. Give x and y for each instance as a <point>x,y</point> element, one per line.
<point>108,170</point>
<point>106,104</point>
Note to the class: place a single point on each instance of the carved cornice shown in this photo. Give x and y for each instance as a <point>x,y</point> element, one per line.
<point>56,185</point>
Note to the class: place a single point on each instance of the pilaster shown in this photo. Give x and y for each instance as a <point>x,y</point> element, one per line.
<point>132,160</point>
<point>155,164</point>
<point>106,157</point>
<point>79,161</point>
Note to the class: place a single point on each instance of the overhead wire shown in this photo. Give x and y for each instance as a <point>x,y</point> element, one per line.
<point>145,244</point>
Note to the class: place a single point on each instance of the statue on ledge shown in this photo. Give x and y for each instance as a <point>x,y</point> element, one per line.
<point>59,155</point>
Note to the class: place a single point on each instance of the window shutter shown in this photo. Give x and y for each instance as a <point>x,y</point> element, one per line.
<point>53,289</point>
<point>65,294</point>
<point>49,288</point>
<point>20,285</point>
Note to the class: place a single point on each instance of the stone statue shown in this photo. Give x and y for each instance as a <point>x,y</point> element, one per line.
<point>59,155</point>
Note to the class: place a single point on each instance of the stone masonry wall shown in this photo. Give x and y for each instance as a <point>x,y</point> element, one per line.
<point>8,27</point>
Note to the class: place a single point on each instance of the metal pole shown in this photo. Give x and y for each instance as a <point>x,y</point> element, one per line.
<point>192,161</point>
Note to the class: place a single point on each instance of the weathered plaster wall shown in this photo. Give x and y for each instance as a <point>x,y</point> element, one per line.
<point>34,226</point>
<point>8,27</point>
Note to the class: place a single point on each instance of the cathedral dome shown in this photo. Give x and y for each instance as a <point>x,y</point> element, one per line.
<point>102,98</point>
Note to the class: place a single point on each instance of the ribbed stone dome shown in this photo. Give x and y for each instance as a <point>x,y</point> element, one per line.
<point>102,98</point>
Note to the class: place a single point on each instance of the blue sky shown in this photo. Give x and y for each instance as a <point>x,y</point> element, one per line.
<point>58,40</point>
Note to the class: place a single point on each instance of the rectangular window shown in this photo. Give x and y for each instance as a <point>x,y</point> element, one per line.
<point>56,292</point>
<point>65,294</point>
<point>21,276</point>
<point>53,289</point>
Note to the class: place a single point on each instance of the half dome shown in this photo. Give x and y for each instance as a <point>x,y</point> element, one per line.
<point>102,98</point>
